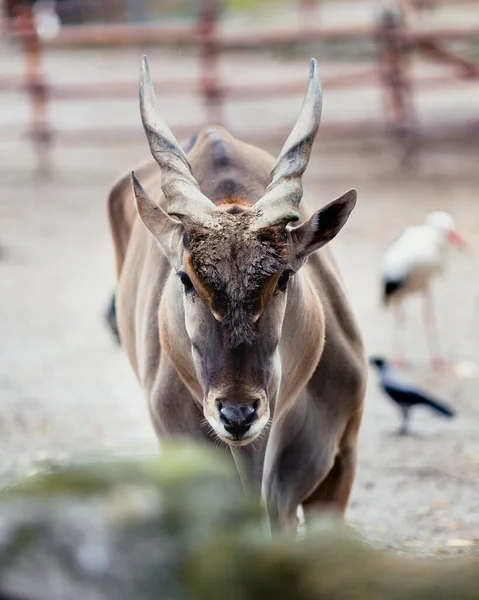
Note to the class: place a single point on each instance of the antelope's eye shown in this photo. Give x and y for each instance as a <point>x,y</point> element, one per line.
<point>186,281</point>
<point>283,280</point>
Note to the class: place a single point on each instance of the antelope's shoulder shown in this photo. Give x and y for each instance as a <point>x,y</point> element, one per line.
<point>227,168</point>
<point>325,274</point>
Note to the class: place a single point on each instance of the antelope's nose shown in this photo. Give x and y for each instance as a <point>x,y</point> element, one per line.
<point>237,419</point>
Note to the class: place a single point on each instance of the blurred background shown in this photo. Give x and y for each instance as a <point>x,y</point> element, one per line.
<point>400,123</point>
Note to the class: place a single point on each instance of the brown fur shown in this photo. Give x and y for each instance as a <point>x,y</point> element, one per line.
<point>237,271</point>
<point>309,455</point>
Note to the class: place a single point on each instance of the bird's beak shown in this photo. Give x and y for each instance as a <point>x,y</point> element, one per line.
<point>456,240</point>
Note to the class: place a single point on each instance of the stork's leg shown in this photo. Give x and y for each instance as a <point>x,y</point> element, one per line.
<point>437,360</point>
<point>398,329</point>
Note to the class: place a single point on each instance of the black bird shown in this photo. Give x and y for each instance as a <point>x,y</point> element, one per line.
<point>404,394</point>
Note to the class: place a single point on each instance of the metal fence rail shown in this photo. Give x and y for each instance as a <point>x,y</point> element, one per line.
<point>394,41</point>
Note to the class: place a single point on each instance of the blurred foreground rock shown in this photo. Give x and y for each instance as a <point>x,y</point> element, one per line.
<point>178,527</point>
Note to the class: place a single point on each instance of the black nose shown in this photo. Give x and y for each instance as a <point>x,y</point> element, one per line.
<point>237,419</point>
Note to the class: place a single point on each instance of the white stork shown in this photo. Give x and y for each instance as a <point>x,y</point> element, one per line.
<point>409,264</point>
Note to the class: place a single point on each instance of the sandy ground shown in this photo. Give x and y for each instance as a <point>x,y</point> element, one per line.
<point>66,388</point>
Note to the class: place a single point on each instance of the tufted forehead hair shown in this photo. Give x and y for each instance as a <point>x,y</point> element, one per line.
<point>235,264</point>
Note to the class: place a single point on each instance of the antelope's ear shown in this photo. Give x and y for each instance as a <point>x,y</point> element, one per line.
<point>168,232</point>
<point>321,228</point>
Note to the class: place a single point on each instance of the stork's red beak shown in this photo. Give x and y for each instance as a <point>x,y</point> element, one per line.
<point>456,240</point>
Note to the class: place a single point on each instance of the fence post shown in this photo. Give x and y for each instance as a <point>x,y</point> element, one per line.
<point>209,55</point>
<point>35,84</point>
<point>396,87</point>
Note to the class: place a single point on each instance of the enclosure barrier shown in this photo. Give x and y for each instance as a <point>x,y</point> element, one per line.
<point>394,43</point>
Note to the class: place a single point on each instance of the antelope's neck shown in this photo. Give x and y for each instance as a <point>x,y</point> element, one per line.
<point>302,340</point>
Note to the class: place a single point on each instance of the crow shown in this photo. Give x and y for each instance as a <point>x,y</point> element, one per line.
<point>404,394</point>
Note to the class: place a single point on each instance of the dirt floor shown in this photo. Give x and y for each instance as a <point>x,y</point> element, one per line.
<point>66,387</point>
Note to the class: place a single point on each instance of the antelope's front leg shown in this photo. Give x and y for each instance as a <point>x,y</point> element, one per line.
<point>281,499</point>
<point>300,455</point>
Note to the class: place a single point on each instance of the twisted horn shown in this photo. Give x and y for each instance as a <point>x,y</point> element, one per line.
<point>182,192</point>
<point>282,197</point>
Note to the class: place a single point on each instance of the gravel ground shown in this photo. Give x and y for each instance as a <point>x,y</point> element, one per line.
<point>66,388</point>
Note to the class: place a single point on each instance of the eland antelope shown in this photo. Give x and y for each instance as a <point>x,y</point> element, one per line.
<point>238,330</point>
